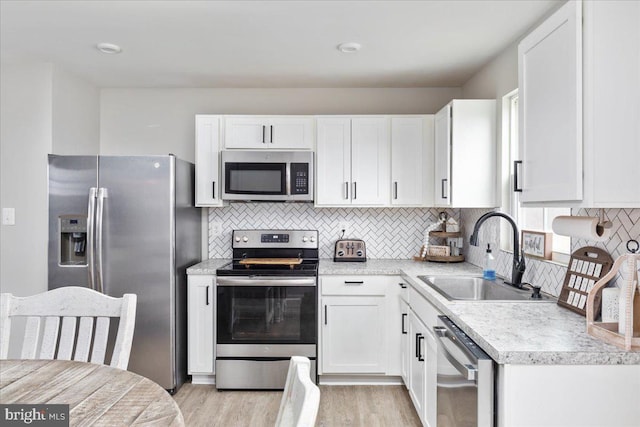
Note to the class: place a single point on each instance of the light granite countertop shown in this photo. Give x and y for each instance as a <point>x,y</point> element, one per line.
<point>208,267</point>
<point>521,333</point>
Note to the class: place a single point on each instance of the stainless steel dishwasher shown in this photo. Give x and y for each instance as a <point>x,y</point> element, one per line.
<point>465,379</point>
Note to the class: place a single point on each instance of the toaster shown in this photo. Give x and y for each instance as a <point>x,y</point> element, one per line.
<point>350,250</point>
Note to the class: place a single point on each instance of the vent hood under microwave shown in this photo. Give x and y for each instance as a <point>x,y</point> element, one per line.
<point>267,175</point>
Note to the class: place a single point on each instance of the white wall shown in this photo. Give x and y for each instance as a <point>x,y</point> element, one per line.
<point>161,121</point>
<point>43,110</point>
<point>76,115</point>
<point>25,141</point>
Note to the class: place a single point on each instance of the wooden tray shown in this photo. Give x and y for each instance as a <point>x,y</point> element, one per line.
<point>444,234</point>
<point>247,262</point>
<point>586,266</point>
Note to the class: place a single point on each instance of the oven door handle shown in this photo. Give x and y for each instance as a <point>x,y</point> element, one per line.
<point>467,370</point>
<point>266,281</point>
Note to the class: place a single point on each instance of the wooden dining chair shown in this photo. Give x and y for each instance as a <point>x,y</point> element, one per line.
<point>301,397</point>
<point>43,337</point>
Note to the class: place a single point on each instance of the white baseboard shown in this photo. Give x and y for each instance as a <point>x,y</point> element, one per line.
<point>360,380</point>
<point>203,379</point>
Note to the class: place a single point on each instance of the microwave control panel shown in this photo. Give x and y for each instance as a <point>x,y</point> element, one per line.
<point>299,178</point>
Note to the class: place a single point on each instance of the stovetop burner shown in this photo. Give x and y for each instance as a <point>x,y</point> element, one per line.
<point>308,267</point>
<point>278,253</point>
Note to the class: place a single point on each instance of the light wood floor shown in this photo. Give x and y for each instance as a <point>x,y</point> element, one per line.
<point>369,406</point>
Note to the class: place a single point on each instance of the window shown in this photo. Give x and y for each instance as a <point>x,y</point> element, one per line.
<point>537,219</point>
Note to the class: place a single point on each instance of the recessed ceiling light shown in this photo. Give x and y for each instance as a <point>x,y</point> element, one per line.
<point>109,48</point>
<point>350,47</point>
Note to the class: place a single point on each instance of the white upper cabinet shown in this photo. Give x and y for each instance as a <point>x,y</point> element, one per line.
<point>207,160</point>
<point>550,116</point>
<point>269,132</point>
<point>465,154</point>
<point>333,161</point>
<point>370,161</point>
<point>612,103</point>
<point>579,90</point>
<point>352,161</point>
<point>412,161</point>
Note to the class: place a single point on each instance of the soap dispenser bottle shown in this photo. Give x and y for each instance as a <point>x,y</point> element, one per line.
<point>489,265</point>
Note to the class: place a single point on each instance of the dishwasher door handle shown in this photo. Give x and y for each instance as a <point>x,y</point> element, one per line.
<point>470,372</point>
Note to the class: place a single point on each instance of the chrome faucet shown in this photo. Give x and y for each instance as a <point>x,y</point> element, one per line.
<point>517,270</point>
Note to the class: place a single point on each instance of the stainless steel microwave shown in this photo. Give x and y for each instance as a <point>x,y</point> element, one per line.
<point>267,175</point>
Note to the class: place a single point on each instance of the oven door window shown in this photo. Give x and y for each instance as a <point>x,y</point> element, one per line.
<point>255,178</point>
<point>264,314</point>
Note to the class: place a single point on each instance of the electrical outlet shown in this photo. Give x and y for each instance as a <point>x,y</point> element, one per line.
<point>8,216</point>
<point>216,228</point>
<point>344,225</point>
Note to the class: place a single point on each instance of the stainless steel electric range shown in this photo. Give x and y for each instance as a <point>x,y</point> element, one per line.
<point>267,303</point>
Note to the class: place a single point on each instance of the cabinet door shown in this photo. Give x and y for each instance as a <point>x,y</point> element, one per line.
<point>353,335</point>
<point>370,153</point>
<point>291,133</point>
<point>550,108</point>
<point>417,389</point>
<point>246,132</point>
<point>208,160</point>
<point>473,153</point>
<point>611,103</point>
<point>200,292</point>
<point>411,161</point>
<point>396,324</point>
<point>405,350</point>
<point>442,167</point>
<point>333,162</point>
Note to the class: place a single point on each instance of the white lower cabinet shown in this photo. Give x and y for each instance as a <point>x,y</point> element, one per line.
<point>568,395</point>
<point>360,325</point>
<point>353,335</point>
<point>200,325</point>
<point>417,366</point>
<point>422,357</point>
<point>405,351</point>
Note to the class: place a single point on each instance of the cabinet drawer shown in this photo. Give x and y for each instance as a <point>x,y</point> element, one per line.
<point>354,285</point>
<point>423,309</point>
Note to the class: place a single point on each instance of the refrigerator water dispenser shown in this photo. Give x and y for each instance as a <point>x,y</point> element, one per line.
<point>73,240</point>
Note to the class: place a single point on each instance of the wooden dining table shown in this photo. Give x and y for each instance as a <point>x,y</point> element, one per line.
<point>97,395</point>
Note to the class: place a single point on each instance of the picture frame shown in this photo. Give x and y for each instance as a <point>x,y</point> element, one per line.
<point>537,244</point>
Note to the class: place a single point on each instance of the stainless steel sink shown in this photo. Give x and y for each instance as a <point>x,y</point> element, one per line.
<point>469,288</point>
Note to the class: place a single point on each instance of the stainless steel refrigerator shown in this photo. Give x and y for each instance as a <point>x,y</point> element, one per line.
<point>128,225</point>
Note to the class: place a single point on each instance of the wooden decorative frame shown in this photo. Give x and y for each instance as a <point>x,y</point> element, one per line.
<point>536,244</point>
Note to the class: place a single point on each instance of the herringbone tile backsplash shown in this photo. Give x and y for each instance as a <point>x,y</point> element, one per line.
<point>394,233</point>
<point>626,225</point>
<point>397,233</point>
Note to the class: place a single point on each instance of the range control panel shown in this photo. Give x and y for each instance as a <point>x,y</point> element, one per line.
<point>350,250</point>
<point>301,239</point>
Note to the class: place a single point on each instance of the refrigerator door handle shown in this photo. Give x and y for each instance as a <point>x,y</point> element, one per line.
<point>102,194</point>
<point>91,227</point>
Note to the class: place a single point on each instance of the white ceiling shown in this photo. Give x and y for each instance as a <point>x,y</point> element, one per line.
<point>266,43</point>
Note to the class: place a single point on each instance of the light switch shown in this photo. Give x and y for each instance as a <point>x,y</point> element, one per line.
<point>8,216</point>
